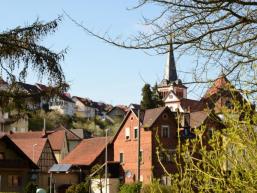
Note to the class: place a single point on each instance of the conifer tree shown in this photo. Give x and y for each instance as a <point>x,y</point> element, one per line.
<point>157,100</point>
<point>147,100</point>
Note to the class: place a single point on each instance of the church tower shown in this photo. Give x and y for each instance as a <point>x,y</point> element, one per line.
<point>170,82</point>
<point>170,72</point>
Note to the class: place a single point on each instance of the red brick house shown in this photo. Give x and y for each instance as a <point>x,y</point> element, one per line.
<point>154,123</point>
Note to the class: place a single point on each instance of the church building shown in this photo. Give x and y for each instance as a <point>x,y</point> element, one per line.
<point>172,91</point>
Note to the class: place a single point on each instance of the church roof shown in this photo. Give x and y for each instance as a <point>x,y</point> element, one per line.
<point>170,72</point>
<point>220,83</point>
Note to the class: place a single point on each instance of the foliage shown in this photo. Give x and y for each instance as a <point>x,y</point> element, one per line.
<point>155,187</point>
<point>53,119</point>
<point>150,97</point>
<point>130,188</point>
<point>20,50</point>
<point>147,99</point>
<point>98,170</point>
<point>30,188</point>
<point>157,100</point>
<point>223,161</point>
<point>96,125</point>
<point>220,33</point>
<point>78,188</point>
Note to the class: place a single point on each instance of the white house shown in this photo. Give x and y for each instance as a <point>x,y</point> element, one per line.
<point>63,104</point>
<point>85,108</point>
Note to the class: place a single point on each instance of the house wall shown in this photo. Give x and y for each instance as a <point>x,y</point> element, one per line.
<point>20,125</point>
<point>112,185</point>
<point>116,113</point>
<point>12,168</point>
<point>8,175</point>
<point>129,149</point>
<point>82,110</point>
<point>64,179</point>
<point>62,106</point>
<point>72,144</point>
<point>169,143</point>
<point>45,162</point>
<point>174,105</point>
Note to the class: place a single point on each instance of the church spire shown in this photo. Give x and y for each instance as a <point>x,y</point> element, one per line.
<point>170,72</point>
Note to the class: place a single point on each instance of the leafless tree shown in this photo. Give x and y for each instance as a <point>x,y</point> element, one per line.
<point>222,34</point>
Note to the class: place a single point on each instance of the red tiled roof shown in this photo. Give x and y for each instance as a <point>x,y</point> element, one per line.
<point>86,152</point>
<point>56,139</point>
<point>147,117</point>
<point>219,83</point>
<point>70,135</point>
<point>192,105</point>
<point>27,135</point>
<point>26,145</point>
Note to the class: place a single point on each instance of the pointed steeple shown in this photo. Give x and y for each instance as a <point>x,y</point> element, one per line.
<point>170,72</point>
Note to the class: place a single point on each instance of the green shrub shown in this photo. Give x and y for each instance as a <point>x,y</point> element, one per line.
<point>130,188</point>
<point>78,188</point>
<point>30,188</point>
<point>156,187</point>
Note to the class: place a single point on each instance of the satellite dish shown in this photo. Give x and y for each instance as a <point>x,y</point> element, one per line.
<point>41,190</point>
<point>128,174</point>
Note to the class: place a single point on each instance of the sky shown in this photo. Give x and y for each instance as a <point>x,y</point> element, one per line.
<point>94,69</point>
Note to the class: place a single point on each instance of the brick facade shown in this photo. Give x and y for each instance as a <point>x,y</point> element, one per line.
<point>149,166</point>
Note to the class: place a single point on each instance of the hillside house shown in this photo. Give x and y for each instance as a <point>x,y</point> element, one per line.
<point>84,107</point>
<point>63,104</point>
<point>117,112</point>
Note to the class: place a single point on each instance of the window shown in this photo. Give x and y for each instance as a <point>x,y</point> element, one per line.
<point>141,179</point>
<point>141,156</point>
<point>121,157</point>
<point>165,116</point>
<point>165,131</point>
<point>14,180</point>
<point>2,156</point>
<point>179,93</point>
<point>168,156</point>
<point>135,132</point>
<point>127,133</point>
<point>209,133</point>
